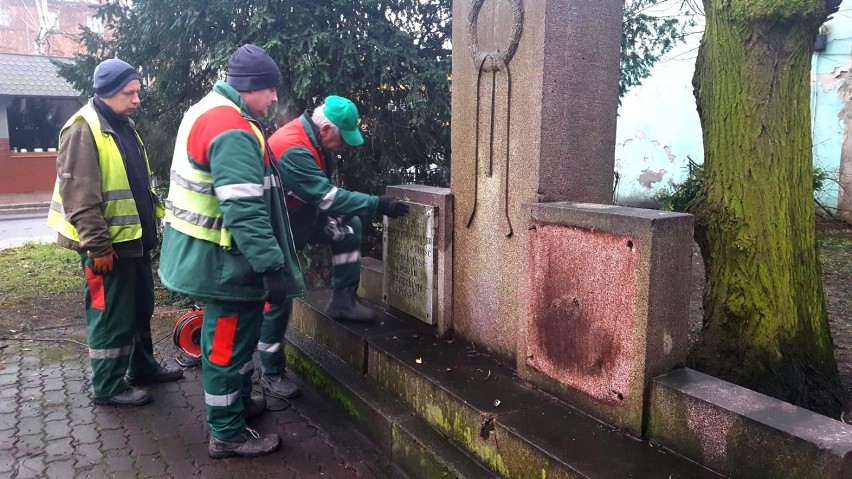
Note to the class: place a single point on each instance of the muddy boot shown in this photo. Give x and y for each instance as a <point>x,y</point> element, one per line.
<point>131,397</point>
<point>278,386</point>
<point>247,444</point>
<point>257,407</point>
<point>344,305</point>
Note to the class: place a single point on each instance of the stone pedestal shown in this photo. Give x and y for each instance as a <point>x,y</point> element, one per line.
<point>609,304</point>
<point>535,94</point>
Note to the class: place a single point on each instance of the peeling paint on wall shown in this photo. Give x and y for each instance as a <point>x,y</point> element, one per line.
<point>834,79</point>
<point>831,112</point>
<point>659,131</point>
<point>648,178</point>
<point>645,166</point>
<point>844,174</point>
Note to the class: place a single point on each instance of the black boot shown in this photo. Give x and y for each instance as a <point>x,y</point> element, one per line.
<point>163,374</point>
<point>345,306</point>
<point>278,386</point>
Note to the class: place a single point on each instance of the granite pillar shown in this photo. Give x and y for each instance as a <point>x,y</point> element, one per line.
<point>535,93</point>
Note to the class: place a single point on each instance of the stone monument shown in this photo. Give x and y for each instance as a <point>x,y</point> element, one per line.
<point>535,96</point>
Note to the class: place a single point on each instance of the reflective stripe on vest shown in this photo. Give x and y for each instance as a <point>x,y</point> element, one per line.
<point>119,207</point>
<point>192,206</point>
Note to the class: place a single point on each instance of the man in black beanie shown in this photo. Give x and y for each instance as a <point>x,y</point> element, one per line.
<point>104,208</point>
<point>227,239</point>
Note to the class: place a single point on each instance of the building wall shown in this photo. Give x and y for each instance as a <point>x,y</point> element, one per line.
<point>831,111</point>
<point>659,129</point>
<point>19,26</point>
<point>26,172</point>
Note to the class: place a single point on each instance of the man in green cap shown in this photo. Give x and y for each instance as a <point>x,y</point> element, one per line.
<point>320,212</point>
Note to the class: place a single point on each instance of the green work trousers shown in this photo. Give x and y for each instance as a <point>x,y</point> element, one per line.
<point>308,228</point>
<point>118,322</point>
<point>229,334</point>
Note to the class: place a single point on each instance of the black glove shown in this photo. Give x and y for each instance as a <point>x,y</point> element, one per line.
<point>273,283</point>
<point>392,207</point>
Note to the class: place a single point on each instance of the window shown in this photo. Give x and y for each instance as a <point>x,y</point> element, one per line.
<point>5,17</point>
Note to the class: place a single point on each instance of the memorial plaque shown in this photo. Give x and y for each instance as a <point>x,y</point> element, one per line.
<point>409,279</point>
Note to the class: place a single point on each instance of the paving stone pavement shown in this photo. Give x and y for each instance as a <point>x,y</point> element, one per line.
<point>49,427</point>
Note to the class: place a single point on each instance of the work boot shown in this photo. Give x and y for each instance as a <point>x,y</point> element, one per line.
<point>131,397</point>
<point>256,408</point>
<point>344,305</point>
<point>278,386</point>
<point>247,444</point>
<point>161,375</point>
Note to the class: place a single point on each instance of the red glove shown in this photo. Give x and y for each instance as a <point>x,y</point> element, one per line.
<point>104,264</point>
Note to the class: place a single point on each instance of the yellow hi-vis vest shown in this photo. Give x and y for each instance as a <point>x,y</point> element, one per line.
<point>192,207</point>
<point>119,207</point>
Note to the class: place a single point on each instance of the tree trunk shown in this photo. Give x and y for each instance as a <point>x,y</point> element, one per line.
<point>765,322</point>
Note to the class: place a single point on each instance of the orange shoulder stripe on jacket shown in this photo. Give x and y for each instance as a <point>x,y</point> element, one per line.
<point>210,125</point>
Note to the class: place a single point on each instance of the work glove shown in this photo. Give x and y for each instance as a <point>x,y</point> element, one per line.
<point>392,207</point>
<point>273,284</point>
<point>104,264</point>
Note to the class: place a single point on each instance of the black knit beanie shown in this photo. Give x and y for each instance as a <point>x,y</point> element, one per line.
<point>250,69</point>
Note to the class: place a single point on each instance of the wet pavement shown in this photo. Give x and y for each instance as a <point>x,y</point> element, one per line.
<point>49,427</point>
<point>19,229</point>
<point>23,219</point>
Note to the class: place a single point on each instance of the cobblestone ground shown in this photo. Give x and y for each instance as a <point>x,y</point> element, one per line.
<point>49,427</point>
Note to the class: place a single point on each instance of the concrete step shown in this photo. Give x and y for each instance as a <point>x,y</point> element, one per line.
<point>24,209</point>
<point>8,206</point>
<point>408,441</point>
<point>472,399</point>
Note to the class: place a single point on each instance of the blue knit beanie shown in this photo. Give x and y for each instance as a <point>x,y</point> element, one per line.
<point>250,68</point>
<point>111,76</point>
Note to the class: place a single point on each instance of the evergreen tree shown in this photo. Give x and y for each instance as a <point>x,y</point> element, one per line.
<point>392,58</point>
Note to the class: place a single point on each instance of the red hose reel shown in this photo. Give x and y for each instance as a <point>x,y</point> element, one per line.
<point>187,334</point>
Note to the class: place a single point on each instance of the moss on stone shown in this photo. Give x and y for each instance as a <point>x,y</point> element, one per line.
<point>304,368</point>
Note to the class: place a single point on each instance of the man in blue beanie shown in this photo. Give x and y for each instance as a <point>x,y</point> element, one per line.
<point>227,239</point>
<point>103,207</point>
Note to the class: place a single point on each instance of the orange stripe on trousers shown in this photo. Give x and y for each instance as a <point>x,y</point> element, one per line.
<point>223,340</point>
<point>96,289</point>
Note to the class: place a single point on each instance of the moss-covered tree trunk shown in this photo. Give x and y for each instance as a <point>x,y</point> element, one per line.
<point>765,323</point>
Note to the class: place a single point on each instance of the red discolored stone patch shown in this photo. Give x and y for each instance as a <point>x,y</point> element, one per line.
<point>582,309</point>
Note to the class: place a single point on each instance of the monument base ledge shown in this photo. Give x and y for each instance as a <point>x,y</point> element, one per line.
<point>741,433</point>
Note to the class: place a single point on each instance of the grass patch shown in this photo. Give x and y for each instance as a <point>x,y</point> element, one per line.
<point>34,270</point>
<point>829,240</point>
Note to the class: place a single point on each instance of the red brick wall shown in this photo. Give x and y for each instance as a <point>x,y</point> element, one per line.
<point>19,36</point>
<point>26,172</point>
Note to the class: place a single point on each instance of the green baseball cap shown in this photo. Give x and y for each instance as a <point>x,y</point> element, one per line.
<point>344,115</point>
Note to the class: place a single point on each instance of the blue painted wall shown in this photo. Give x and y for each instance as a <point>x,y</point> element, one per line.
<point>658,126</point>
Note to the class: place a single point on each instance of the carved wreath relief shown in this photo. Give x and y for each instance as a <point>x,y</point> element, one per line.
<point>495,62</point>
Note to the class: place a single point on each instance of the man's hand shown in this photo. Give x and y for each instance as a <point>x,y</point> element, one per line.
<point>104,264</point>
<point>273,283</point>
<point>392,207</point>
